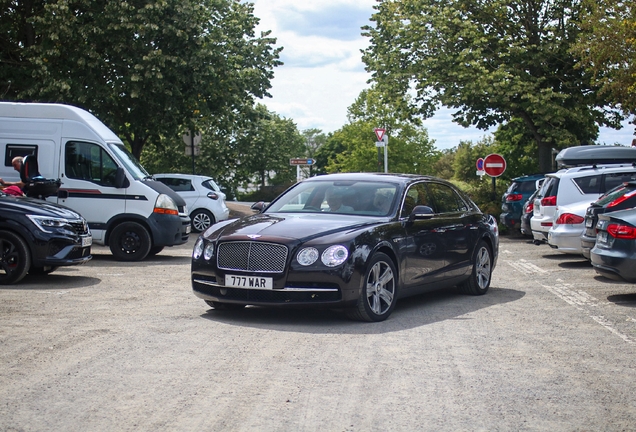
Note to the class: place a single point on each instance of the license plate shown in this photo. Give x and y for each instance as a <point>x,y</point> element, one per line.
<point>87,241</point>
<point>601,237</point>
<point>256,282</point>
<point>588,223</point>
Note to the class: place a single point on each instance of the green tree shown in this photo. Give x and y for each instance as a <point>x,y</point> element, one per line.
<point>492,61</point>
<point>147,68</point>
<point>607,48</point>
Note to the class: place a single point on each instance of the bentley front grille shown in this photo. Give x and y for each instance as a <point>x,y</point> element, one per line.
<point>252,257</point>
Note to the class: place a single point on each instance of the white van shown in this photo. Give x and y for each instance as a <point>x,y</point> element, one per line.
<point>125,209</point>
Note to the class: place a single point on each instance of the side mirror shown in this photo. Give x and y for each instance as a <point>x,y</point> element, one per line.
<point>421,212</point>
<point>259,206</point>
<point>120,179</point>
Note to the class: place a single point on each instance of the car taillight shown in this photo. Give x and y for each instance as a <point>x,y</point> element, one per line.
<point>620,199</point>
<point>514,197</point>
<point>530,208</point>
<point>549,201</point>
<point>621,231</point>
<point>569,218</point>
<point>213,196</point>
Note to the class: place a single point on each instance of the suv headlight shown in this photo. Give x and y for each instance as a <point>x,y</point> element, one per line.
<point>45,223</point>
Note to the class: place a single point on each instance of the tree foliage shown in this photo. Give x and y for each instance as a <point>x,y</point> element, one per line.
<point>352,148</point>
<point>607,47</point>
<point>493,62</point>
<point>147,68</point>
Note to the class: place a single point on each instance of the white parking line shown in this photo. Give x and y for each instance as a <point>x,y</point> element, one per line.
<point>526,267</point>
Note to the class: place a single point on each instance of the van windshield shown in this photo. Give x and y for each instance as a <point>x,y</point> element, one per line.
<point>129,161</point>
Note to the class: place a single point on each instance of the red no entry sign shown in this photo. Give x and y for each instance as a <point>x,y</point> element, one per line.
<point>494,165</point>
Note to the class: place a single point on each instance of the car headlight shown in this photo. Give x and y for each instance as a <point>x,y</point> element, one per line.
<point>45,223</point>
<point>198,248</point>
<point>208,251</point>
<point>334,255</point>
<point>307,256</point>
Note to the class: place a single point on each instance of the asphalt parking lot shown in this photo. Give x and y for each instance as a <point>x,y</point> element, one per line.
<point>127,346</point>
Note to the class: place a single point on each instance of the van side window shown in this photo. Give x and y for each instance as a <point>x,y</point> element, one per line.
<point>13,150</point>
<point>86,161</point>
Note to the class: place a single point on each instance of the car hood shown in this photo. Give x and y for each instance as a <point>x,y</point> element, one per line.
<point>35,207</point>
<point>301,227</point>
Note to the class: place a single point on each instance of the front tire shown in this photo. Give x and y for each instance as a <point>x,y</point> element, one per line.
<point>379,292</point>
<point>15,258</point>
<point>479,280</point>
<point>201,220</point>
<point>130,241</point>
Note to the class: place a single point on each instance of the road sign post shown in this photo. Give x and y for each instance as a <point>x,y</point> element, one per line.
<point>494,165</point>
<point>192,141</point>
<point>298,162</point>
<point>383,141</point>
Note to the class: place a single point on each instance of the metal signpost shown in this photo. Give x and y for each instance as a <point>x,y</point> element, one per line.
<point>299,162</point>
<point>383,141</point>
<point>192,142</point>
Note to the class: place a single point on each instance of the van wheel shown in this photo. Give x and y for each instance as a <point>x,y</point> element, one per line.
<point>130,241</point>
<point>15,259</point>
<point>201,220</point>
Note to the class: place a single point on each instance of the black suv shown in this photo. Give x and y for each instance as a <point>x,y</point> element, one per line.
<point>37,237</point>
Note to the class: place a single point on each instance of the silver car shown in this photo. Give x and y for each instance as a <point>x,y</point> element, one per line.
<point>202,195</point>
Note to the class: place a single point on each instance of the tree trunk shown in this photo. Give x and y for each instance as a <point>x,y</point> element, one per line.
<point>545,157</point>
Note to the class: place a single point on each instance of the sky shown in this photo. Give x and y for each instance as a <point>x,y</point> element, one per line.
<point>323,72</point>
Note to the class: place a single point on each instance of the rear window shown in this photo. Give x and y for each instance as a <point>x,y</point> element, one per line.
<point>521,187</point>
<point>614,194</point>
<point>550,187</point>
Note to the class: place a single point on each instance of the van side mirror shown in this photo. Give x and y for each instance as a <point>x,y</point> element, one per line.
<point>421,212</point>
<point>120,179</point>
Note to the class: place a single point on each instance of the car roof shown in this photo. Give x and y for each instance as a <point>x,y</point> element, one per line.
<point>394,178</point>
<point>529,177</point>
<point>184,176</point>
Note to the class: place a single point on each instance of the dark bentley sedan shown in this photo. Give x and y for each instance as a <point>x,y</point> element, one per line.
<point>353,241</point>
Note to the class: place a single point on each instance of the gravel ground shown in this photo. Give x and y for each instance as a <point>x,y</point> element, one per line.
<point>127,346</point>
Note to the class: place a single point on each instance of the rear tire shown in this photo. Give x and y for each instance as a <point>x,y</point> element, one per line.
<point>479,280</point>
<point>130,241</point>
<point>15,258</point>
<point>379,291</point>
<point>201,220</point>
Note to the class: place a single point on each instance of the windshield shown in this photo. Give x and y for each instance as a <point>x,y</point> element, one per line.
<point>129,161</point>
<point>351,197</point>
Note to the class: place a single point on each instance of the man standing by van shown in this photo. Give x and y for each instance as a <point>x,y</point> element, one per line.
<point>17,165</point>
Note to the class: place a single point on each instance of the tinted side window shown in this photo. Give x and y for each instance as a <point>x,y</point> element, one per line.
<point>589,184</point>
<point>446,199</point>
<point>614,179</point>
<point>416,195</point>
<point>526,186</point>
<point>86,161</point>
<point>177,184</point>
<point>14,150</point>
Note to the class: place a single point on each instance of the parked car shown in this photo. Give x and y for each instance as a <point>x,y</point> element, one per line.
<point>565,233</point>
<point>37,237</point>
<point>395,236</point>
<point>620,198</point>
<point>515,197</point>
<point>203,197</point>
<point>528,210</point>
<point>614,253</point>
<point>574,185</point>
